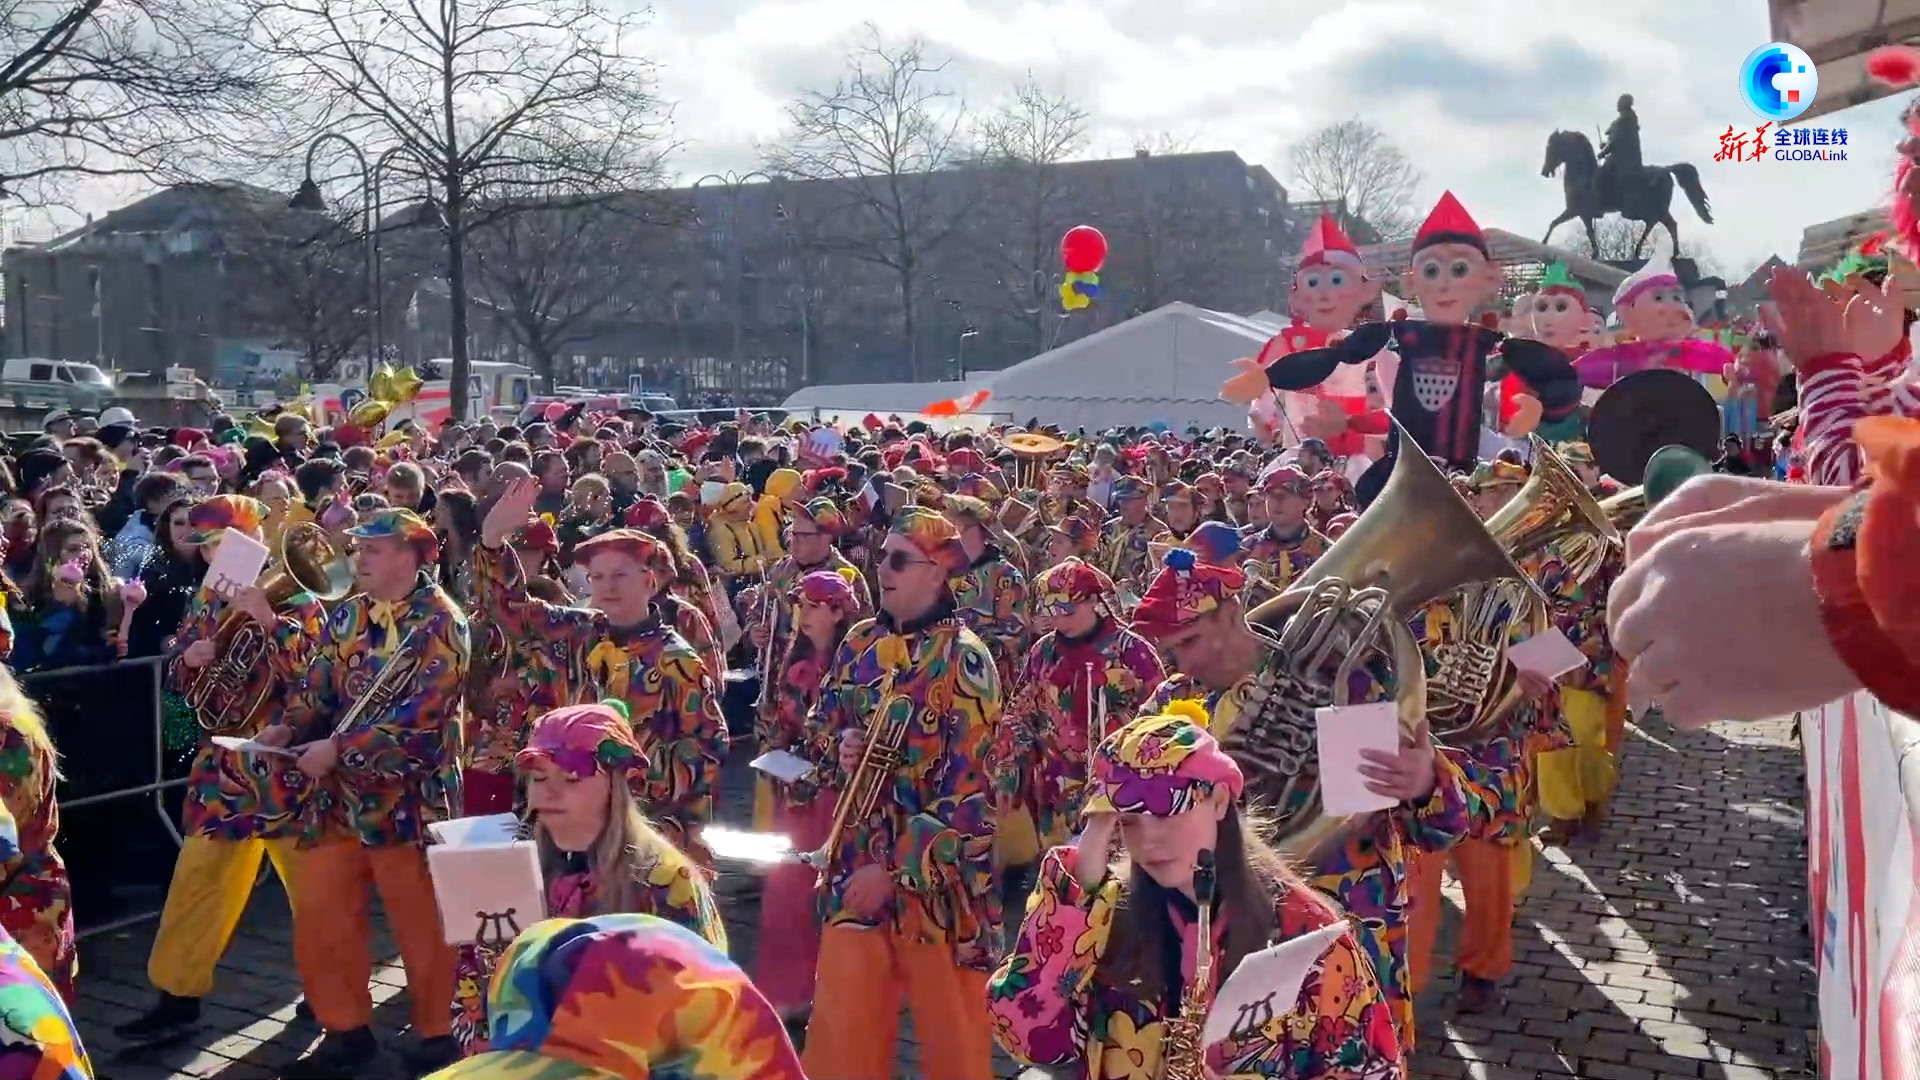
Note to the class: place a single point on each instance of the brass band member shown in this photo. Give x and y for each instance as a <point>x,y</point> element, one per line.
<point>1124,540</point>
<point>622,648</point>
<point>1112,973</point>
<point>910,906</point>
<point>1288,545</point>
<point>239,808</point>
<point>1081,681</point>
<point>378,723</point>
<point>1193,612</point>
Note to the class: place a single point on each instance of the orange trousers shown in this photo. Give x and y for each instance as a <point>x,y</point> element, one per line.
<point>333,933</point>
<point>1485,872</point>
<point>855,1028</point>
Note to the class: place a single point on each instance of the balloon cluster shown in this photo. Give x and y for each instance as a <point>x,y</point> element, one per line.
<point>1083,250</point>
<point>387,390</point>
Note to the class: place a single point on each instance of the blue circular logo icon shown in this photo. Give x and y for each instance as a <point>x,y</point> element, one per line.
<point>1778,80</point>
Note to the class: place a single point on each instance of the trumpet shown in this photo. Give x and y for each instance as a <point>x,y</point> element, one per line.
<point>885,739</point>
<point>394,677</point>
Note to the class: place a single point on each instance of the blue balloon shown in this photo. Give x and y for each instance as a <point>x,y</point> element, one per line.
<point>1086,289</point>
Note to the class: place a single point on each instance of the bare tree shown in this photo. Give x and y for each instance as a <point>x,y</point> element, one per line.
<point>1353,164</point>
<point>500,105</point>
<point>300,278</point>
<point>1021,145</point>
<point>117,88</point>
<point>882,140</point>
<point>556,273</point>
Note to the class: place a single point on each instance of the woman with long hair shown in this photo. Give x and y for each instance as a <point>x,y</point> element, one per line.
<point>598,853</point>
<point>1107,950</point>
<point>825,607</point>
<point>36,901</point>
<point>456,516</point>
<point>171,573</point>
<point>70,605</point>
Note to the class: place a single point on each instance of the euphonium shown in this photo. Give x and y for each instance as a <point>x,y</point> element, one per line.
<point>229,695</point>
<point>1473,686</point>
<point>1418,541</point>
<point>1183,1058</point>
<point>1626,508</point>
<point>879,761</point>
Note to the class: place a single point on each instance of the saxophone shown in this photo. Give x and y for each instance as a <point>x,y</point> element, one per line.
<point>1185,1056</point>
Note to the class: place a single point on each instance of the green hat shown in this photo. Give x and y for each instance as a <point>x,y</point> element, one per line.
<point>1558,279</point>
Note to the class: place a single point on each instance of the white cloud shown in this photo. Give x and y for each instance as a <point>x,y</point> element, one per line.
<point>1470,90</point>
<point>1253,75</point>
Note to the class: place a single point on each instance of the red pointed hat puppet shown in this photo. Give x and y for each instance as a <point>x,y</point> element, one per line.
<point>1445,357</point>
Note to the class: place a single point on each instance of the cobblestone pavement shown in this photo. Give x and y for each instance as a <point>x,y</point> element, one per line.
<point>1672,945</point>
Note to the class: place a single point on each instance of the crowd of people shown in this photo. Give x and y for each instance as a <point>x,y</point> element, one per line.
<point>1054,695</point>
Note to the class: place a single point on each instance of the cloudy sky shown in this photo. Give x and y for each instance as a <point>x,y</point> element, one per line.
<point>1470,90</point>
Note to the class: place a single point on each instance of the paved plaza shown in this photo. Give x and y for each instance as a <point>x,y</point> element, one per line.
<point>1672,945</point>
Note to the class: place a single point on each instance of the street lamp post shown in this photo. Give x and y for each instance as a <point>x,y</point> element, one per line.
<point>733,182</point>
<point>309,197</point>
<point>960,353</point>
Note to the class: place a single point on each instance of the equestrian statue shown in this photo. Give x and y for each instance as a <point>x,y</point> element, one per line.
<point>1615,181</point>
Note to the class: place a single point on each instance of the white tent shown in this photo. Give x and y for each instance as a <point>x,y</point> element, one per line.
<point>1166,365</point>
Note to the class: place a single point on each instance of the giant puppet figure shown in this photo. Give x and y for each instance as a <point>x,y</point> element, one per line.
<point>1444,357</point>
<point>1658,323</point>
<point>1558,314</point>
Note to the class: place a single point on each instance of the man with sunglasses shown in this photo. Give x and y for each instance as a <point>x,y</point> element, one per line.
<point>910,904</point>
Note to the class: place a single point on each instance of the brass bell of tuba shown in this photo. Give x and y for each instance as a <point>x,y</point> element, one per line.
<point>230,696</point>
<point>1418,541</point>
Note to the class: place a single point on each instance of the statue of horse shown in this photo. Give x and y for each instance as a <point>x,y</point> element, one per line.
<point>1644,196</point>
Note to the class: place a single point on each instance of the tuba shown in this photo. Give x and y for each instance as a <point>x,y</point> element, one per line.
<point>228,696</point>
<point>1473,686</point>
<point>1353,605</point>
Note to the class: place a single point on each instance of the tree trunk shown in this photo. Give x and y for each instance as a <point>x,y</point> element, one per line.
<point>909,324</point>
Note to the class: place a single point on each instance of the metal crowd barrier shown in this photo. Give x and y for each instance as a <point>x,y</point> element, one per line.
<point>96,714</point>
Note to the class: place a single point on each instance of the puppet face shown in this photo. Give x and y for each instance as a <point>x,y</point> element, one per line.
<point>1658,314</point>
<point>1559,319</point>
<point>1329,297</point>
<point>1451,281</point>
<point>1595,333</point>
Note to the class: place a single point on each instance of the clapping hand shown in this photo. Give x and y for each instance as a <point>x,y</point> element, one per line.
<point>510,512</point>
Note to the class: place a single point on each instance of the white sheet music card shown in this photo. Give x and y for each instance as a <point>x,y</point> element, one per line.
<point>783,766</point>
<point>1344,731</point>
<point>237,565</point>
<point>1266,984</point>
<point>1548,655</point>
<point>248,746</point>
<point>481,830</point>
<point>487,894</point>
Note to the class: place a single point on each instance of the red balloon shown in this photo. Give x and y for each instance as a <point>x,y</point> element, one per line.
<point>1083,249</point>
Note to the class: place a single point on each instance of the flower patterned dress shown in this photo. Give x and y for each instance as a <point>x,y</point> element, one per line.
<point>1050,1006</point>
<point>672,890</point>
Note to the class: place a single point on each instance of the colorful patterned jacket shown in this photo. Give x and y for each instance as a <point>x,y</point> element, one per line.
<point>672,697</point>
<point>1051,1006</point>
<point>1367,873</point>
<point>36,896</point>
<point>932,827</point>
<point>1053,720</point>
<point>233,796</point>
<point>1580,611</point>
<point>38,1038</point>
<point>1124,550</point>
<point>1281,560</point>
<point>399,767</point>
<point>781,581</point>
<point>991,598</point>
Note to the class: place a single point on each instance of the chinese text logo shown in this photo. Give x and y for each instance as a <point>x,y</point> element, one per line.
<point>1778,80</point>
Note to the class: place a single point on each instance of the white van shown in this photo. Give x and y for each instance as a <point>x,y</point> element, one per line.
<point>36,383</point>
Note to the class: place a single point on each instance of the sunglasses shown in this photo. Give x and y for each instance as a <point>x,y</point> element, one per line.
<point>898,560</point>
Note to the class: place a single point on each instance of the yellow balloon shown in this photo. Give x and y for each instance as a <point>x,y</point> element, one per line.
<point>371,414</point>
<point>380,383</point>
<point>260,425</point>
<point>405,385</point>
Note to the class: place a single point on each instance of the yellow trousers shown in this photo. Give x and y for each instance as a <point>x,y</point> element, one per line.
<point>212,882</point>
<point>1583,775</point>
<point>1016,841</point>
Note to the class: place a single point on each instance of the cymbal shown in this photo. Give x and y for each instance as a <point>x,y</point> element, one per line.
<point>1645,411</point>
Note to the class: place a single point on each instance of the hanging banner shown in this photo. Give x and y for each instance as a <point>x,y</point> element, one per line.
<point>1863,800</point>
